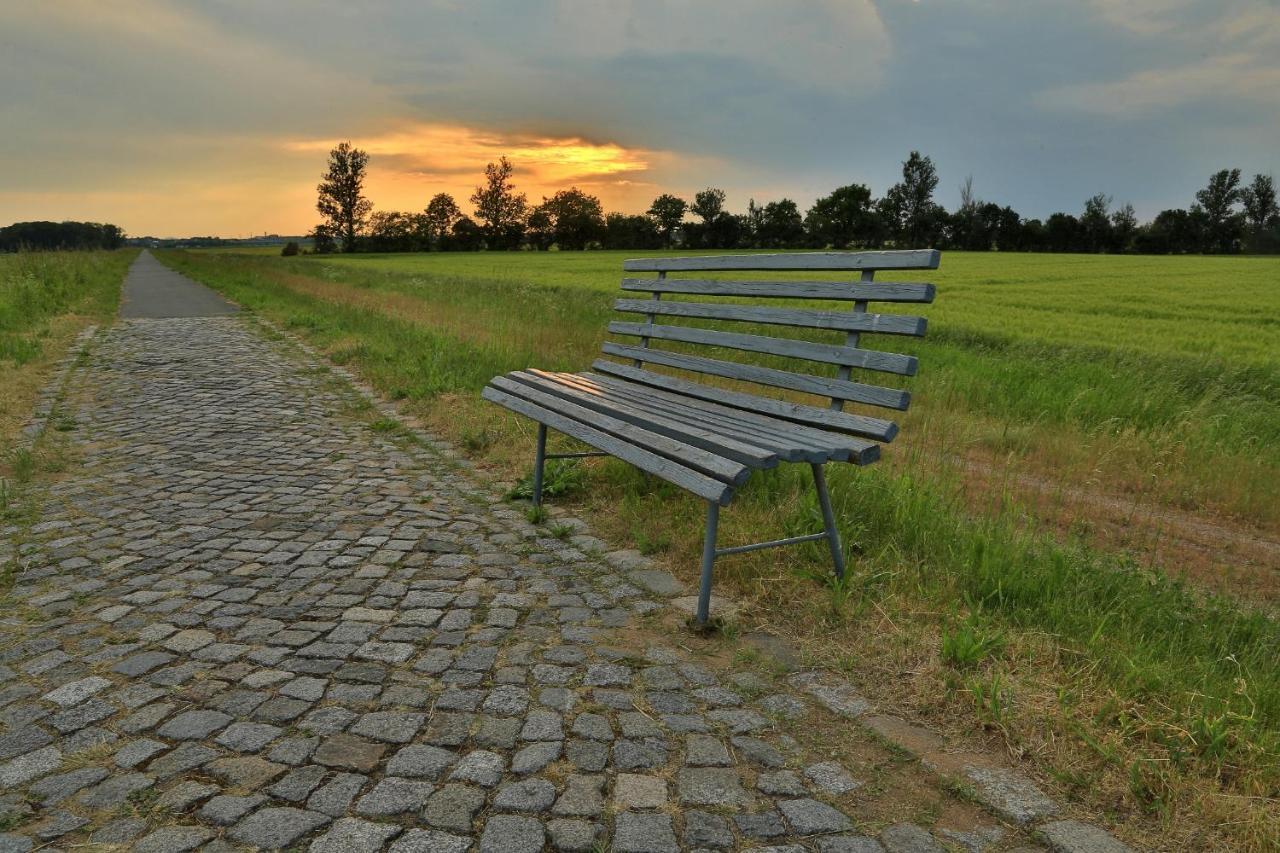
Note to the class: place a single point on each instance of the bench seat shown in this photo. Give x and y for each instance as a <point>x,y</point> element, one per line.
<point>750,439</point>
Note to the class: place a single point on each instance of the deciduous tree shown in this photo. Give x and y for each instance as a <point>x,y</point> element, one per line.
<point>912,201</point>
<point>708,205</point>
<point>781,226</point>
<point>322,240</point>
<point>624,231</point>
<point>1260,202</point>
<point>440,215</point>
<point>500,209</point>
<point>341,194</point>
<point>465,236</point>
<point>841,219</point>
<point>1096,223</point>
<point>1124,227</point>
<point>668,210</point>
<point>1218,200</point>
<point>576,218</point>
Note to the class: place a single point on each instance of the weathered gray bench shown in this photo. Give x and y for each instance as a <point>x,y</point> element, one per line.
<point>708,439</point>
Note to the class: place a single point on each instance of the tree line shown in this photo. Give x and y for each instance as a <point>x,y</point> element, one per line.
<point>48,236</point>
<point>1227,216</point>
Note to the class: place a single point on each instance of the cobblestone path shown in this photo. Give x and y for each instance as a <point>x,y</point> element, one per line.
<point>248,618</point>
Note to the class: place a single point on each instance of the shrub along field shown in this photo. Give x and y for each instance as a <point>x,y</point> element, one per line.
<point>993,591</point>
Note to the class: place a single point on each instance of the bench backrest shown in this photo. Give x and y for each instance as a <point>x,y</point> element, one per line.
<point>855,323</point>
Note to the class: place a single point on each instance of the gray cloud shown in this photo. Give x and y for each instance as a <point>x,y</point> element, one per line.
<point>1044,103</point>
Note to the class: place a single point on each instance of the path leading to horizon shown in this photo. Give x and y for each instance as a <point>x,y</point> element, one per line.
<point>247,619</point>
<point>154,291</point>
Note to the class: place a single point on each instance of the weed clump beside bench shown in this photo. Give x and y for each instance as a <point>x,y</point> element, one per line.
<point>707,439</point>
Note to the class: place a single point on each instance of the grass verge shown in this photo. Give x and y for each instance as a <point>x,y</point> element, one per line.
<point>46,300</point>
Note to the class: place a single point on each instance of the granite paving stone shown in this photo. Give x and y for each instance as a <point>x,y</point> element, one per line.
<point>276,827</point>
<point>395,795</point>
<point>352,835</point>
<point>430,841</point>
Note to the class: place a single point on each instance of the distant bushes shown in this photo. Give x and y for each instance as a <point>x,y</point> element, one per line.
<point>290,249</point>
<point>47,236</point>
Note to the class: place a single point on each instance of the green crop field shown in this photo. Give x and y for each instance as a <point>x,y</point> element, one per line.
<point>1134,381</point>
<point>1136,364</point>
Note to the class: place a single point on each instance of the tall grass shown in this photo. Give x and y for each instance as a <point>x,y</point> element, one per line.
<point>36,287</point>
<point>45,299</point>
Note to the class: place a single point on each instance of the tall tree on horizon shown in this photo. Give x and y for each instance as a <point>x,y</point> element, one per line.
<point>341,194</point>
<point>668,211</point>
<point>912,199</point>
<point>708,205</point>
<point>1218,200</point>
<point>576,218</point>
<point>1260,202</point>
<point>499,207</point>
<point>440,215</point>
<point>1124,227</point>
<point>1096,222</point>
<point>841,219</point>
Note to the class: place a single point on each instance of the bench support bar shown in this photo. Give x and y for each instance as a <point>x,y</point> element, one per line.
<point>539,460</point>
<point>708,560</point>
<point>774,543</point>
<point>710,551</point>
<point>541,456</point>
<point>829,521</point>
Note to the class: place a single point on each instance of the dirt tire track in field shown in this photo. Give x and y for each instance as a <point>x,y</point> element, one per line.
<point>1212,552</point>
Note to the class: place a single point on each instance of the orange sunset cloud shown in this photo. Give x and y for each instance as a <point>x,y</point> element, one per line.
<point>412,162</point>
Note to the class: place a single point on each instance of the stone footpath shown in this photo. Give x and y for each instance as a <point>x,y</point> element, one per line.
<point>247,619</point>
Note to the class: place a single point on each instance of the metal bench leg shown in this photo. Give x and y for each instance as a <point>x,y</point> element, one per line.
<point>708,560</point>
<point>539,460</point>
<point>829,519</point>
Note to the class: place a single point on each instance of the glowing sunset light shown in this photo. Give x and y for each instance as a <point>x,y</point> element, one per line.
<point>410,163</point>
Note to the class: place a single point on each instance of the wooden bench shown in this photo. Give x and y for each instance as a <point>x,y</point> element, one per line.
<point>708,439</point>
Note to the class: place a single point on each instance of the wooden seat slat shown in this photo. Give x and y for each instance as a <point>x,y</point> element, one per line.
<point>748,454</point>
<point>914,259</point>
<point>855,291</point>
<point>781,430</point>
<point>794,451</point>
<point>841,321</point>
<point>713,465</point>
<point>793,446</point>
<point>840,389</point>
<point>699,484</point>
<point>884,362</point>
<point>878,429</point>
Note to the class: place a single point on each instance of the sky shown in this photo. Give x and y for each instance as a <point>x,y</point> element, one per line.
<point>215,116</point>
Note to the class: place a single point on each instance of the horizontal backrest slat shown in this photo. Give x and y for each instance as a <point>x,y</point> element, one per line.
<point>827,353</point>
<point>841,389</point>
<point>863,425</point>
<point>865,291</point>
<point>911,259</point>
<point>847,321</point>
